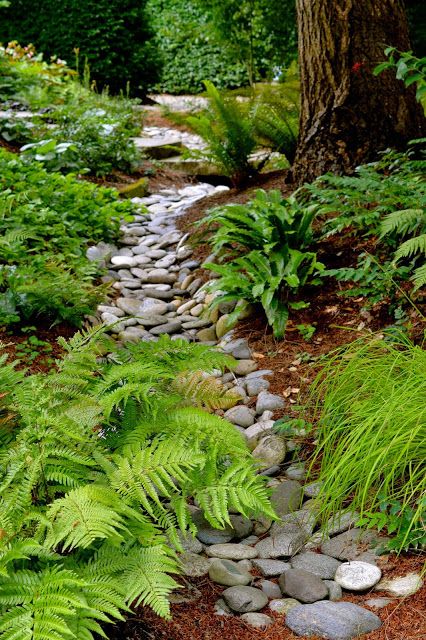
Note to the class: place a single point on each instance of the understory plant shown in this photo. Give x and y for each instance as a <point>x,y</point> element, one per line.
<point>47,221</point>
<point>263,249</point>
<point>368,401</point>
<point>99,461</point>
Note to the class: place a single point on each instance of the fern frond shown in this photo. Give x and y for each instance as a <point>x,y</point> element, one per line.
<point>403,222</point>
<point>411,247</point>
<point>419,277</point>
<point>198,390</point>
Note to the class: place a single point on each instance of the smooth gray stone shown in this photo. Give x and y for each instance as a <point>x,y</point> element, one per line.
<point>231,551</point>
<point>324,567</point>
<point>303,521</point>
<point>303,585</point>
<point>207,534</point>
<point>240,415</point>
<point>260,373</point>
<point>379,603</point>
<point>228,573</point>
<point>194,565</point>
<point>334,590</point>
<point>151,320</point>
<point>255,385</point>
<point>340,522</point>
<point>271,589</point>
<point>351,544</point>
<point>357,575</point>
<point>281,545</point>
<point>242,526</point>
<point>238,348</point>
<point>257,620</point>
<point>169,327</point>
<point>312,490</point>
<point>268,402</point>
<point>270,568</point>
<point>331,620</point>
<point>244,599</point>
<point>286,497</point>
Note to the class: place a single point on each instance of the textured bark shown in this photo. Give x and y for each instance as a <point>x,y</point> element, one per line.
<point>347,113</point>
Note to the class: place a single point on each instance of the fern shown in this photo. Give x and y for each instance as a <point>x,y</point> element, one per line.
<point>95,480</point>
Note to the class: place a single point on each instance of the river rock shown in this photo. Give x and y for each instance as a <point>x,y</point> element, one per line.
<point>255,385</point>
<point>209,535</point>
<point>257,620</point>
<point>324,567</point>
<point>270,451</point>
<point>240,415</point>
<point>303,585</point>
<point>271,589</point>
<point>242,526</point>
<point>236,551</point>
<point>228,573</point>
<point>331,620</point>
<point>340,522</point>
<point>280,545</point>
<point>286,497</point>
<point>169,327</point>
<point>357,575</point>
<point>194,565</point>
<point>350,545</point>
<point>283,605</point>
<point>244,599</point>
<point>238,348</point>
<point>401,586</point>
<point>270,568</point>
<point>243,367</point>
<point>268,402</point>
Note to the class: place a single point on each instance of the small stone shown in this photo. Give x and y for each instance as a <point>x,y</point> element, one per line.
<point>257,431</point>
<point>223,325</point>
<point>270,451</point>
<point>242,526</point>
<point>244,599</point>
<point>152,320</point>
<point>401,586</point>
<point>123,261</point>
<point>302,521</point>
<point>296,471</point>
<point>302,585</point>
<point>247,565</point>
<point>134,334</point>
<point>221,608</point>
<point>260,373</point>
<point>324,567</point>
<point>283,605</point>
<point>238,349</point>
<point>340,522</point>
<point>197,310</point>
<point>240,415</point>
<point>357,576</point>
<point>312,490</point>
<point>331,620</point>
<point>207,534</point>
<point>251,540</point>
<point>161,276</point>
<point>230,551</point>
<point>334,590</point>
<point>286,497</point>
<point>378,603</point>
<point>257,620</point>
<point>243,367</point>
<point>268,402</point>
<point>169,327</point>
<point>189,543</point>
<point>270,568</point>
<point>228,573</point>
<point>207,335</point>
<point>103,308</point>
<point>194,565</point>
<point>284,544</point>
<point>271,589</point>
<point>256,385</point>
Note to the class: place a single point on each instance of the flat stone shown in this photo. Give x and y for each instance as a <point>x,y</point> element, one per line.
<point>240,415</point>
<point>152,320</point>
<point>160,276</point>
<point>268,402</point>
<point>302,520</point>
<point>283,605</point>
<point>379,603</point>
<point>271,589</point>
<point>228,573</point>
<point>238,348</point>
<point>286,497</point>
<point>280,545</point>
<point>260,373</point>
<point>160,147</point>
<point>245,366</point>
<point>255,385</point>
<point>340,522</point>
<point>194,565</point>
<point>151,306</point>
<point>401,586</point>
<point>270,568</point>
<point>169,327</point>
<point>245,564</point>
<point>324,567</point>
<point>357,575</point>
<point>257,431</point>
<point>350,545</point>
<point>257,620</point>
<point>302,585</point>
<point>244,599</point>
<point>231,551</point>
<point>134,334</point>
<point>123,261</point>
<point>331,620</point>
<point>334,590</point>
<point>103,308</point>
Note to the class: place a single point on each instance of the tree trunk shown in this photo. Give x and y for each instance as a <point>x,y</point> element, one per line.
<point>347,113</point>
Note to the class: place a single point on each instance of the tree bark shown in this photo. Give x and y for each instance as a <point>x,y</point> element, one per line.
<point>348,114</point>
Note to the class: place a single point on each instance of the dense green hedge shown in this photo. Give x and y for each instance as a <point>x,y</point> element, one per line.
<point>188,50</point>
<point>114,35</point>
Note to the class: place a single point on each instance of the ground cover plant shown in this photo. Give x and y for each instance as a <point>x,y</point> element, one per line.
<point>264,246</point>
<point>369,403</point>
<point>117,448</point>
<point>47,221</point>
<point>74,128</point>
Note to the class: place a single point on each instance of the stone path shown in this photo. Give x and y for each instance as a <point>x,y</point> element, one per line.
<point>304,571</point>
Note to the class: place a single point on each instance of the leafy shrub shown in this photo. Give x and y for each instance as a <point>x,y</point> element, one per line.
<point>114,36</point>
<point>227,130</point>
<point>276,232</point>
<point>99,461</point>
<point>46,223</point>
<point>372,434</point>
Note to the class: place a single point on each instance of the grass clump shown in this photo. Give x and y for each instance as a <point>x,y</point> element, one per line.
<point>372,436</point>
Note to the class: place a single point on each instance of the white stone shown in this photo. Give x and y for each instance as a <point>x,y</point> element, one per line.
<point>401,586</point>
<point>357,575</point>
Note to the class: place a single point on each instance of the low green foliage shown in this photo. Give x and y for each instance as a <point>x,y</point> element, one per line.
<point>270,236</point>
<point>47,221</point>
<point>369,403</point>
<point>98,463</point>
<point>409,69</point>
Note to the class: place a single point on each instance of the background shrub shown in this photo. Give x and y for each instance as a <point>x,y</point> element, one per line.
<point>114,35</point>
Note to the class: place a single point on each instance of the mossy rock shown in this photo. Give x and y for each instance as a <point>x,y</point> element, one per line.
<point>138,189</point>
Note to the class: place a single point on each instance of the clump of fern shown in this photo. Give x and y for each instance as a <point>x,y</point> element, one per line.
<point>369,400</point>
<point>228,132</point>
<point>409,222</point>
<point>95,479</point>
